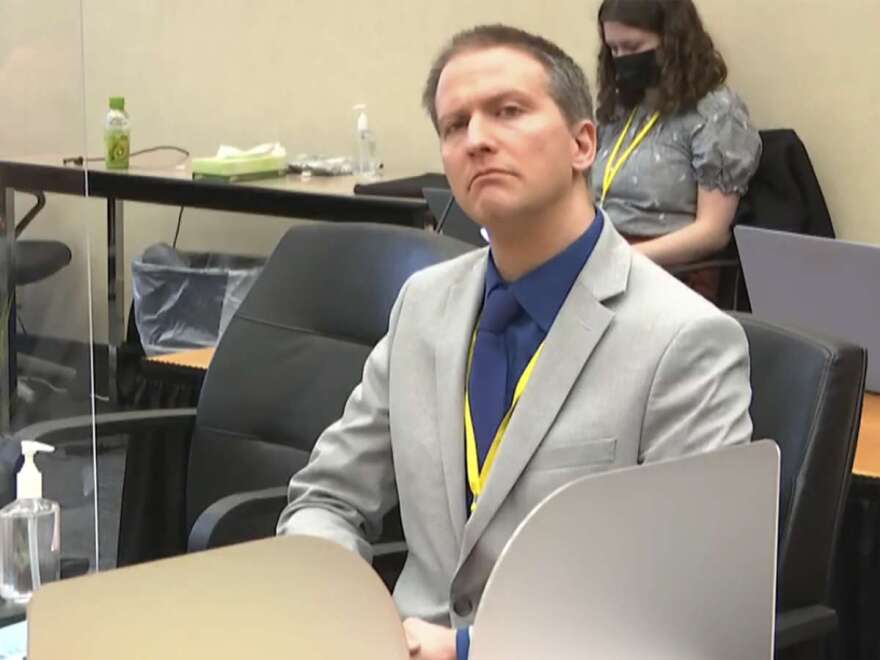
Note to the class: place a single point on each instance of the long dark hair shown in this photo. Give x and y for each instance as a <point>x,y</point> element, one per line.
<point>690,67</point>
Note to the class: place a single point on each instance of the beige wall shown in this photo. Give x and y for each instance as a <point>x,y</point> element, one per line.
<point>200,72</point>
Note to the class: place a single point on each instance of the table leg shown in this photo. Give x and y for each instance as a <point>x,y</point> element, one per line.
<point>868,602</point>
<point>115,291</point>
<point>7,301</point>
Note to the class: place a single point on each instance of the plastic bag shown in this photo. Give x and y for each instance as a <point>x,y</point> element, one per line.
<point>185,300</point>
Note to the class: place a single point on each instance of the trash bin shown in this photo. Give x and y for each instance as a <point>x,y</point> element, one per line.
<point>185,300</point>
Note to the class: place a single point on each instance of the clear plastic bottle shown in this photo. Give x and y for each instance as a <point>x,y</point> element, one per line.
<point>30,528</point>
<point>366,165</point>
<point>18,517</point>
<point>117,135</point>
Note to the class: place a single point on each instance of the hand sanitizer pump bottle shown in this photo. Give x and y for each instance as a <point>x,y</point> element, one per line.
<point>365,157</point>
<point>31,532</point>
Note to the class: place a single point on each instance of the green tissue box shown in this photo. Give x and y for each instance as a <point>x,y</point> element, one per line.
<point>239,169</point>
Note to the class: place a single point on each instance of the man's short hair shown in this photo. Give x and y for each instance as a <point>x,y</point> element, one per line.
<point>567,84</point>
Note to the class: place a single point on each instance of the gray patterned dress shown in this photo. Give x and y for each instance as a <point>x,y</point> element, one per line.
<point>713,145</point>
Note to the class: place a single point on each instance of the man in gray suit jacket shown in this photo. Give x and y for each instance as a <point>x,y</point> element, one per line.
<point>626,364</point>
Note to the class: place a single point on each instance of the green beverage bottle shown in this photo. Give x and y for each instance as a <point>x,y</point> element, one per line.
<point>117,131</point>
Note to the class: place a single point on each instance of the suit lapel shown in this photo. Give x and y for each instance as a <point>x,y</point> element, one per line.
<point>577,330</point>
<point>459,315</point>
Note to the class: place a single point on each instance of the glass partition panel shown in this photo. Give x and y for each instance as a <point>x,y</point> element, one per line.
<point>46,341</point>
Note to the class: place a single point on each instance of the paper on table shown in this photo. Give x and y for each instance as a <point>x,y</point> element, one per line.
<point>13,641</point>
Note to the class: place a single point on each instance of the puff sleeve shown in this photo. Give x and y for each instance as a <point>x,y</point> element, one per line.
<point>725,146</point>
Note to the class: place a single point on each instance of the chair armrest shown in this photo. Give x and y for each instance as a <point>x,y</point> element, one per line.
<point>32,213</point>
<point>254,515</point>
<point>30,365</point>
<point>804,624</point>
<point>238,518</point>
<point>72,428</point>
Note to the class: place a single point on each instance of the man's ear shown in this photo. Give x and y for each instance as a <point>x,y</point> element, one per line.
<point>583,145</point>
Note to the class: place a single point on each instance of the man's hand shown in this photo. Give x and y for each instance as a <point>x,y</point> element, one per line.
<point>428,641</point>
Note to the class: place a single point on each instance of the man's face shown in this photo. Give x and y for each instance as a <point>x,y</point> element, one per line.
<point>507,149</point>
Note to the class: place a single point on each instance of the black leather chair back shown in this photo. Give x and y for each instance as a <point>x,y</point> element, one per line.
<point>807,395</point>
<point>295,349</point>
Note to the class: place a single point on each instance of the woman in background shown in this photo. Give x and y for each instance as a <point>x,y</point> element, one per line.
<point>676,145</point>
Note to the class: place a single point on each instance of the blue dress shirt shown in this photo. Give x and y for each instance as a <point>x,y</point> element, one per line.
<point>540,294</point>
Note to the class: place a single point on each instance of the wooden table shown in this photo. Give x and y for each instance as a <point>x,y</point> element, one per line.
<point>867,462</point>
<point>197,359</point>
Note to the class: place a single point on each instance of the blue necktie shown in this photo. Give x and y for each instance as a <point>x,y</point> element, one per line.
<point>487,387</point>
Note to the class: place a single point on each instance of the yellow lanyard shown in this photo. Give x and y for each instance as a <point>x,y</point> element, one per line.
<point>612,167</point>
<point>477,477</point>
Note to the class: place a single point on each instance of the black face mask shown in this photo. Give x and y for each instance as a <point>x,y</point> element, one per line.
<point>636,73</point>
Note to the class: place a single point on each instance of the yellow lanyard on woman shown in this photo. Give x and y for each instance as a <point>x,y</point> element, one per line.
<point>477,477</point>
<point>612,167</point>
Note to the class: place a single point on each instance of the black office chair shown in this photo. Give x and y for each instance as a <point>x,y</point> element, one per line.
<point>281,374</point>
<point>807,395</point>
<point>36,260</point>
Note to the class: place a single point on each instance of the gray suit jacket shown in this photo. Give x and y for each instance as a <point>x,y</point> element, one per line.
<point>636,367</point>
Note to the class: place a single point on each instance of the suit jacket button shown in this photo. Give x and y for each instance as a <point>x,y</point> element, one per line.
<point>463,606</point>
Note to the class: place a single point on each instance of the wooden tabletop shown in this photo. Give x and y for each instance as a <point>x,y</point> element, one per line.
<point>867,463</point>
<point>197,359</point>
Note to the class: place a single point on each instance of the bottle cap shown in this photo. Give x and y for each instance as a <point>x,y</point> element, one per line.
<point>117,103</point>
